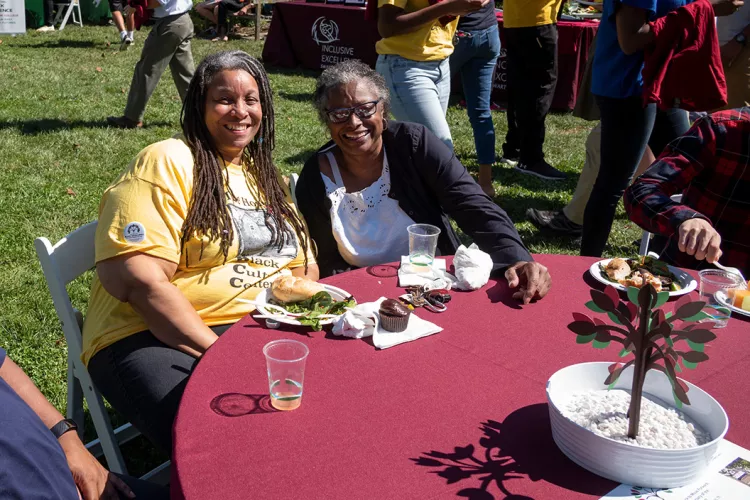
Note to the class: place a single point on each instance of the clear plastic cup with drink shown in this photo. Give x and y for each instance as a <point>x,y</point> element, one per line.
<point>422,244</point>
<point>716,284</point>
<point>285,360</point>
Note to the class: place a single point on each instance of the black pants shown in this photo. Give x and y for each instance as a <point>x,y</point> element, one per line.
<point>531,55</point>
<point>49,12</point>
<point>626,129</point>
<point>143,379</point>
<point>225,8</point>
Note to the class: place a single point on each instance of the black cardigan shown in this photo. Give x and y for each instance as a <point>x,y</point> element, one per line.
<point>430,184</point>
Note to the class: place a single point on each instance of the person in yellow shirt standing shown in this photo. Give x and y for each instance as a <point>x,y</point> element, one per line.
<point>531,51</point>
<point>413,57</point>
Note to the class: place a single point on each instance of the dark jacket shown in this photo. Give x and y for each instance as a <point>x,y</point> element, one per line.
<point>430,184</point>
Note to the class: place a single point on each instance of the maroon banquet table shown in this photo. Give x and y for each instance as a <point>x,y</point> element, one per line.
<point>461,413</point>
<point>315,36</point>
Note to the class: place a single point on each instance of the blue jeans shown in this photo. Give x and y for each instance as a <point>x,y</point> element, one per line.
<point>419,92</point>
<point>474,58</point>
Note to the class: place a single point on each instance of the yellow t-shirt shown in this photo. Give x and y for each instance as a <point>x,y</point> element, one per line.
<point>527,13</point>
<point>430,42</point>
<point>144,211</point>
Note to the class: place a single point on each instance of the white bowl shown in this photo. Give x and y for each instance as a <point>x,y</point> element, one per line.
<point>624,462</point>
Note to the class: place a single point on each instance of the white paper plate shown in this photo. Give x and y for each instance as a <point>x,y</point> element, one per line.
<point>600,5</point>
<point>262,298</point>
<point>687,282</point>
<point>587,15</point>
<point>723,299</point>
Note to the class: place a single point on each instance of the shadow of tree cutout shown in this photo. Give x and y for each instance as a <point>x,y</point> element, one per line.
<point>235,404</point>
<point>463,463</point>
<point>521,447</point>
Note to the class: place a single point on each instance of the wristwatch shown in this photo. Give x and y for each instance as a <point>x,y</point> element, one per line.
<point>62,427</point>
<point>741,39</point>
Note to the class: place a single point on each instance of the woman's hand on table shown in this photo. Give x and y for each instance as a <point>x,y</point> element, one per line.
<point>531,278</point>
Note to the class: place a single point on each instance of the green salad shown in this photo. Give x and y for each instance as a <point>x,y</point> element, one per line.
<point>659,269</point>
<point>319,304</point>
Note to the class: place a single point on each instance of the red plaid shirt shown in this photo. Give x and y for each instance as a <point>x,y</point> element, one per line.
<point>710,165</point>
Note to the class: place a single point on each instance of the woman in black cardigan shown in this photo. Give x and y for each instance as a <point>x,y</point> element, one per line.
<point>361,190</point>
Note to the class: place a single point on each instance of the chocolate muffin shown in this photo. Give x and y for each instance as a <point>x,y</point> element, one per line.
<point>394,316</point>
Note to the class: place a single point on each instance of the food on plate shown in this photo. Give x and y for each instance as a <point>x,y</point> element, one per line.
<point>308,300</point>
<point>394,316</point>
<point>741,299</point>
<point>618,269</point>
<point>293,289</point>
<point>640,271</point>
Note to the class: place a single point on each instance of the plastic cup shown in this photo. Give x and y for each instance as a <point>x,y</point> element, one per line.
<point>422,244</point>
<point>715,282</point>
<point>285,360</point>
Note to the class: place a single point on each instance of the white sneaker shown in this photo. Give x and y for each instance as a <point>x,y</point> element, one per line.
<point>125,42</point>
<point>44,29</point>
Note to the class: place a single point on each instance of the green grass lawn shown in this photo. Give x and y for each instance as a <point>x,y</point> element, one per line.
<point>57,156</point>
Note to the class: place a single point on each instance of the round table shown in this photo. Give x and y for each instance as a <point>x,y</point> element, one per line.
<point>461,413</point>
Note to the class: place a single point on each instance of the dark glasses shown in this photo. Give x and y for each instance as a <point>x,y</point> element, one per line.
<point>340,115</point>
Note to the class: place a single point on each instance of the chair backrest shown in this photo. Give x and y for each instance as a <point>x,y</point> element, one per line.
<point>61,263</point>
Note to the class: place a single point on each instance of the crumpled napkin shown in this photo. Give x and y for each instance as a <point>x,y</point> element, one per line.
<point>472,267</point>
<point>363,321</point>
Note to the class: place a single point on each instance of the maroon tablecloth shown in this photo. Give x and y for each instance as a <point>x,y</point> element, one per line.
<point>574,40</point>
<point>441,417</point>
<point>316,36</point>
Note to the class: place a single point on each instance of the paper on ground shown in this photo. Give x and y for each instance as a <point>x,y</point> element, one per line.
<point>719,483</point>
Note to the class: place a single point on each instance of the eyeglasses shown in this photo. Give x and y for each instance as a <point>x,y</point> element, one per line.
<point>340,115</point>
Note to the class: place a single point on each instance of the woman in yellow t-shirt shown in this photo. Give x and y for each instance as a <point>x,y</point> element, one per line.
<point>194,223</point>
<point>413,57</point>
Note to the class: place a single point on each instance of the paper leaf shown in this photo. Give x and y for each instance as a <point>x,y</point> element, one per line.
<point>599,322</point>
<point>698,335</point>
<point>582,317</point>
<point>661,299</point>
<point>633,295</point>
<point>680,392</point>
<point>646,296</point>
<point>593,307</point>
<point>694,356</point>
<point>582,327</point>
<point>688,310</point>
<point>614,318</point>
<point>696,347</point>
<point>678,368</point>
<point>685,299</point>
<point>585,339</point>
<point>613,295</point>
<point>689,365</point>
<point>602,300</point>
<point>677,402</point>
<point>600,345</point>
<point>603,336</point>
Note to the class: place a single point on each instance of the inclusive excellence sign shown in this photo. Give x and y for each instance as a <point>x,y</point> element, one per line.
<point>12,17</point>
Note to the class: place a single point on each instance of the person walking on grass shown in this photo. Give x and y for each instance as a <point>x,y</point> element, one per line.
<point>168,44</point>
<point>127,36</point>
<point>531,47</point>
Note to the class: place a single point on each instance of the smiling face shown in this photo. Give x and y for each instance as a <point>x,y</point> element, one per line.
<point>233,112</point>
<point>356,136</point>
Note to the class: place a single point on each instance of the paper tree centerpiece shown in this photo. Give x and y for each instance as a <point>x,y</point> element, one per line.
<point>649,335</point>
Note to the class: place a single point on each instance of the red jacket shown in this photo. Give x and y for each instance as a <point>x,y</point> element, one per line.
<point>683,67</point>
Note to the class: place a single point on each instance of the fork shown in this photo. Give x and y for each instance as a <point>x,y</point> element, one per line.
<point>732,270</point>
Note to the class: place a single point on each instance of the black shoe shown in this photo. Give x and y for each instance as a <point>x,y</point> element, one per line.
<point>123,122</point>
<point>553,220</point>
<point>541,169</point>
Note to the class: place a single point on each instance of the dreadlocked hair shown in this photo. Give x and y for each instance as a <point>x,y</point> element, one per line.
<point>208,214</point>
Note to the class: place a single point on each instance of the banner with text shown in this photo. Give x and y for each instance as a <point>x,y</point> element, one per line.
<point>12,17</point>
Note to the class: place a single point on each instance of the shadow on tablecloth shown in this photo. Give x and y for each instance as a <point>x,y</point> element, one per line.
<point>235,404</point>
<point>519,447</point>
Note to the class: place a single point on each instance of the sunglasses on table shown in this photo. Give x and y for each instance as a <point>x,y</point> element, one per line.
<point>365,110</point>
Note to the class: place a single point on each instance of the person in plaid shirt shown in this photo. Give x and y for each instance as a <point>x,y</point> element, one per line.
<point>710,166</point>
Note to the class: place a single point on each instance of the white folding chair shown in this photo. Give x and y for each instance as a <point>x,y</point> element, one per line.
<point>63,262</point>
<point>73,7</point>
<point>646,236</point>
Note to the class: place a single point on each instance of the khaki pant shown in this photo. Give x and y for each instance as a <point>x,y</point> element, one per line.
<point>574,209</point>
<point>738,80</point>
<point>168,44</point>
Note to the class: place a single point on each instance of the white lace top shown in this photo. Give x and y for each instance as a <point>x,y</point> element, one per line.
<point>368,225</point>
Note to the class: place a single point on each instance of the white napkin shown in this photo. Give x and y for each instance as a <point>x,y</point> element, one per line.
<point>363,321</point>
<point>472,267</point>
<point>416,328</point>
<point>409,275</point>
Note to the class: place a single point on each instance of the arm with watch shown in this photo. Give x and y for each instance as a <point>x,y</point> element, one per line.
<point>92,480</point>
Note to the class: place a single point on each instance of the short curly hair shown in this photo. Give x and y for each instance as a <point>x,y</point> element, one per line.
<point>346,72</point>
